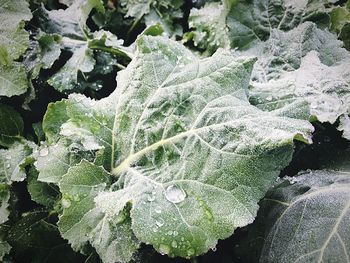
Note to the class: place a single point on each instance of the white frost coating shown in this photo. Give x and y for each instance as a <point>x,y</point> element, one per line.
<point>174,194</point>
<point>189,127</point>
<point>314,78</point>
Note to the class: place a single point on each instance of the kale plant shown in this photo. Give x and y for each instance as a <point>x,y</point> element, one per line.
<point>174,131</point>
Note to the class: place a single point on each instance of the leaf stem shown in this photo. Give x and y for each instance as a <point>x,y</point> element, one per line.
<point>116,52</point>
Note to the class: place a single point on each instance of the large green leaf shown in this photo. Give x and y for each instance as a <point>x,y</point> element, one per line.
<point>303,219</point>
<point>305,66</point>
<point>183,141</point>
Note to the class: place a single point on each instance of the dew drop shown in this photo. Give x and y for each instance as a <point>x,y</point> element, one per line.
<point>8,157</point>
<point>151,197</point>
<point>159,222</point>
<point>158,210</point>
<point>164,249</point>
<point>65,203</point>
<point>44,152</point>
<point>269,98</point>
<point>174,194</point>
<point>190,252</point>
<point>8,165</point>
<point>174,244</point>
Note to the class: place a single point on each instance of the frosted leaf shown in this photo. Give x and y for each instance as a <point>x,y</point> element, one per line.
<point>242,24</point>
<point>304,72</point>
<point>303,221</point>
<point>14,160</point>
<point>182,139</point>
<point>13,37</point>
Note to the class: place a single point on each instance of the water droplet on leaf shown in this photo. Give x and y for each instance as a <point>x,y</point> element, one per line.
<point>65,203</point>
<point>175,194</point>
<point>44,152</point>
<point>159,222</point>
<point>164,249</point>
<point>190,252</point>
<point>174,244</point>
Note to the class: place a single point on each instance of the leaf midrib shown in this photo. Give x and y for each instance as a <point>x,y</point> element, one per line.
<point>136,156</point>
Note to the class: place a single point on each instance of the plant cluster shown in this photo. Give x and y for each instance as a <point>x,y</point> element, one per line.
<point>174,131</point>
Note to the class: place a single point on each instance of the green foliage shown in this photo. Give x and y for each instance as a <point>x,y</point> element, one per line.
<point>174,131</point>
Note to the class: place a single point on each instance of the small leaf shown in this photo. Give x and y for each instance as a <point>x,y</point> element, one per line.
<point>40,192</point>
<point>11,128</point>
<point>14,160</point>
<point>13,79</point>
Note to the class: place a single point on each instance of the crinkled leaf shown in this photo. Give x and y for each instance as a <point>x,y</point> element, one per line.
<point>209,29</point>
<point>253,20</point>
<point>11,128</point>
<point>164,12</point>
<point>303,219</point>
<point>12,35</point>
<point>182,138</point>
<point>306,66</point>
<point>245,23</point>
<point>13,79</point>
<point>14,160</point>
